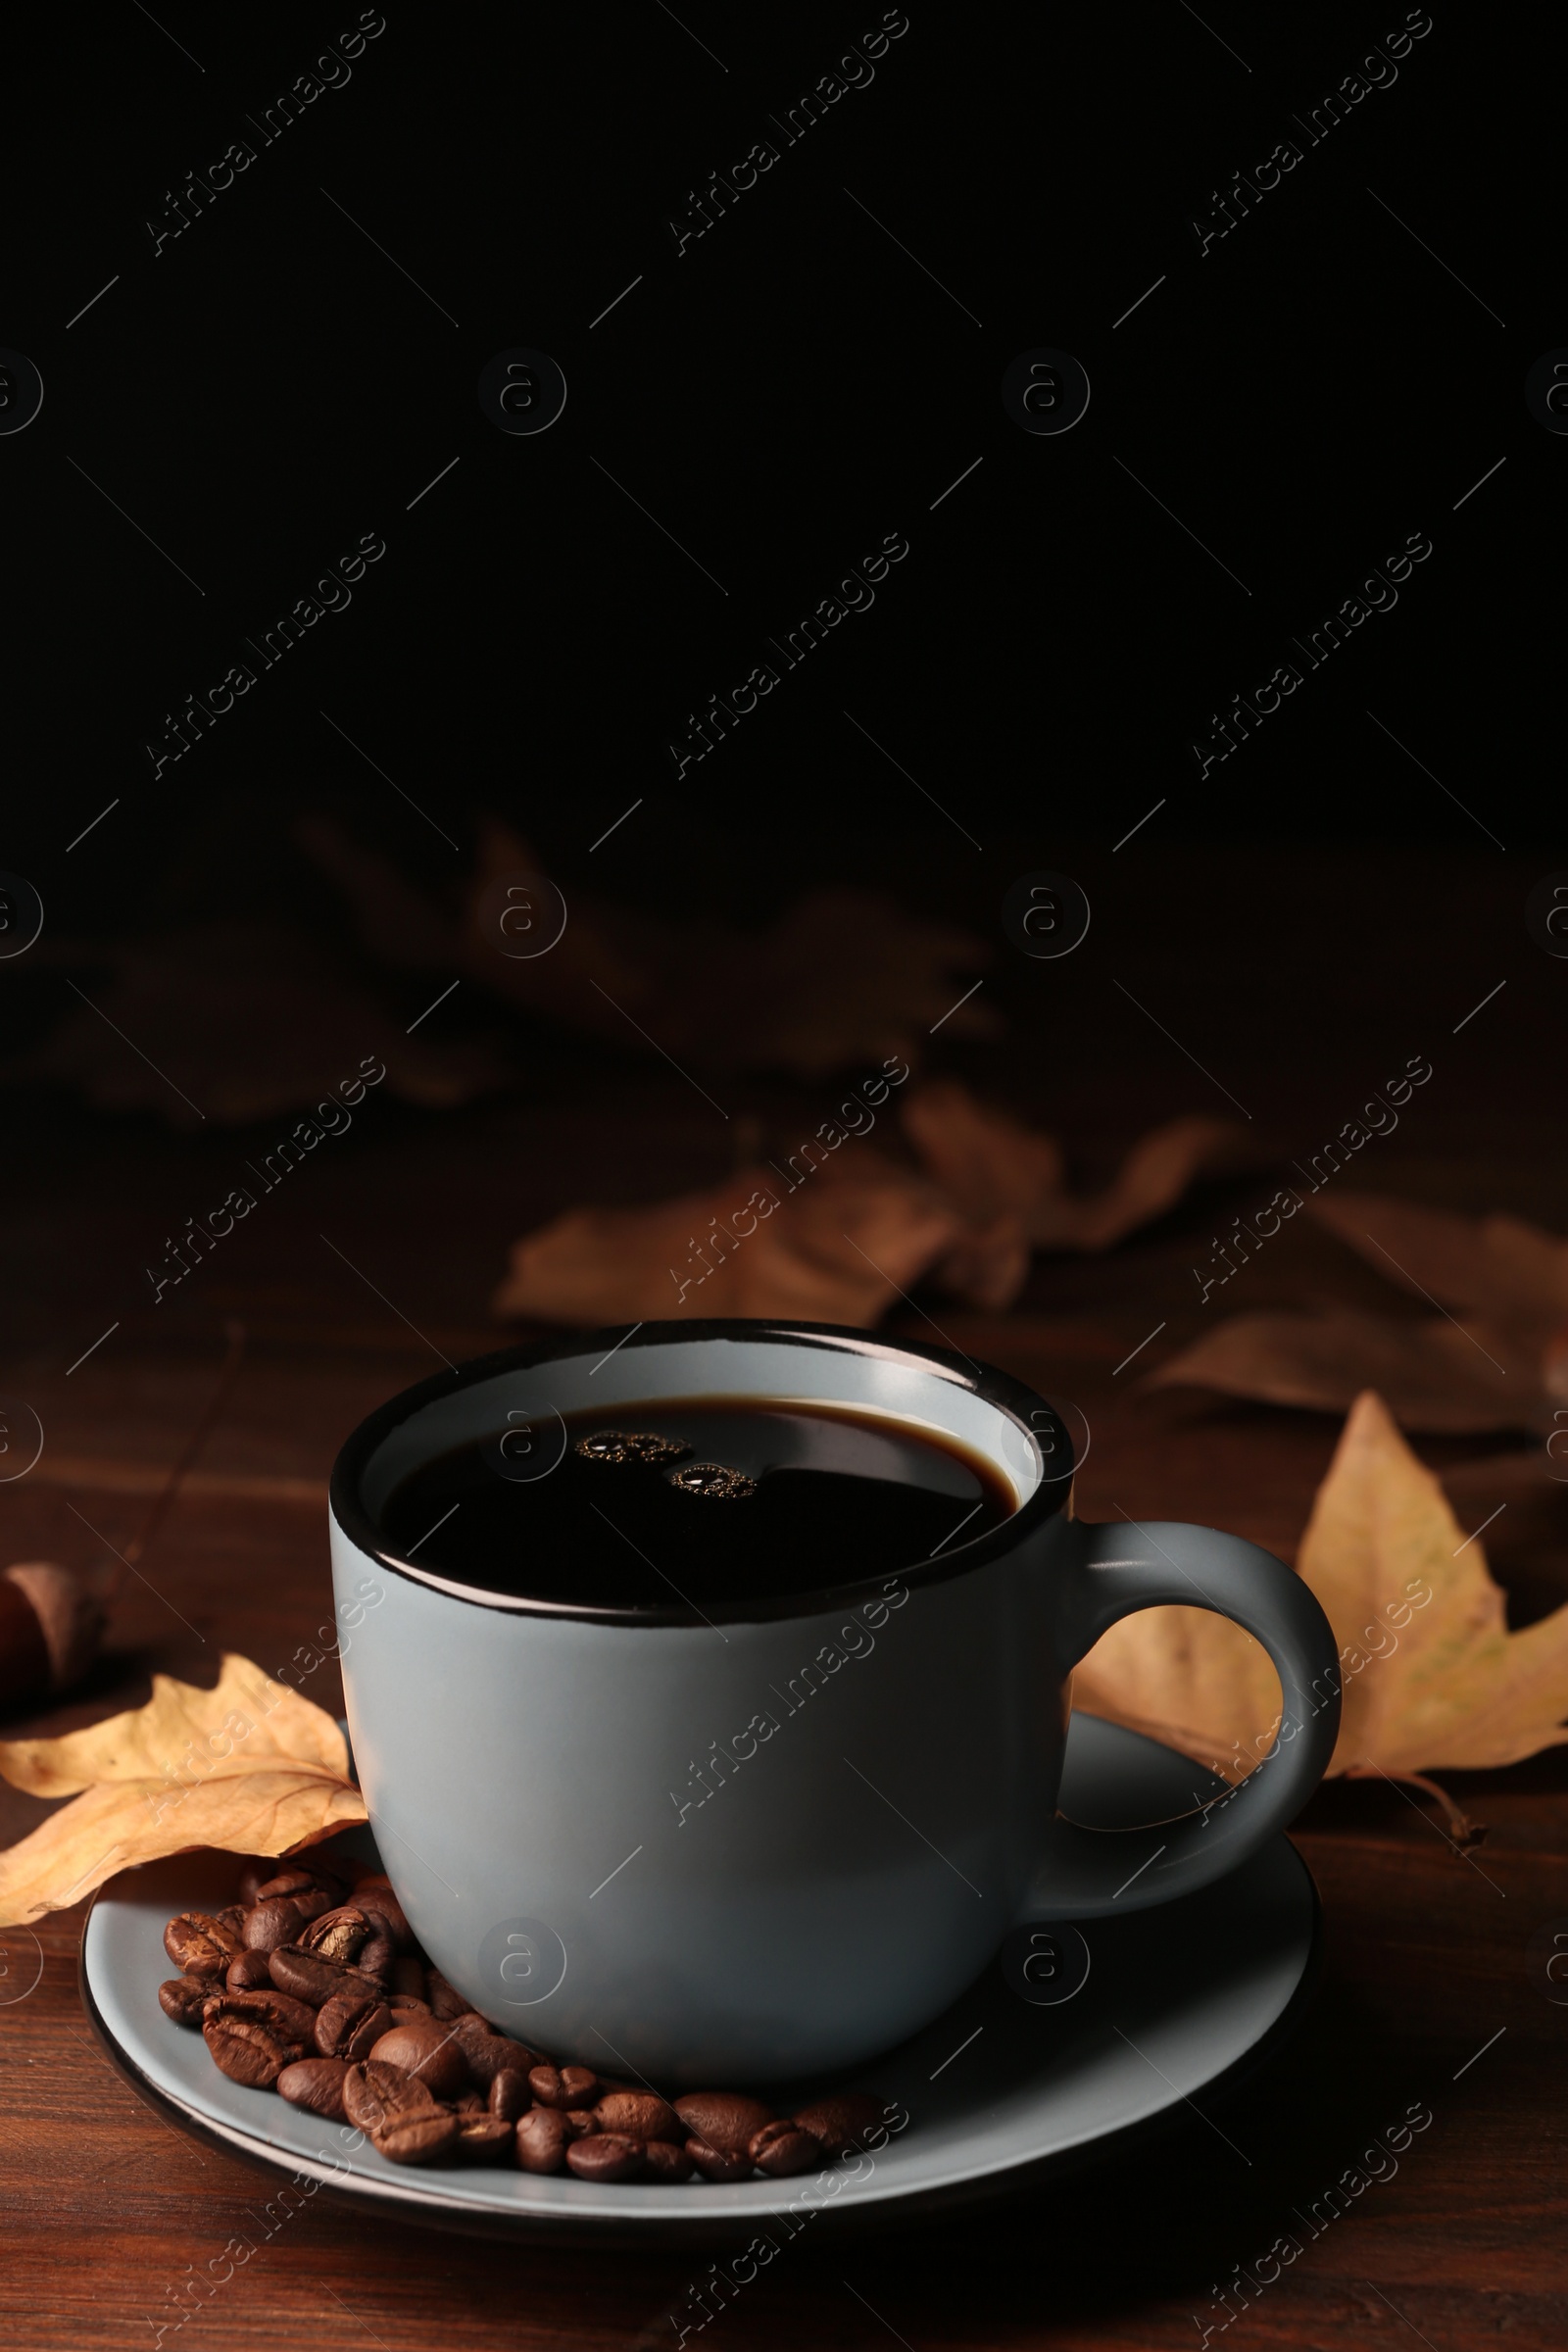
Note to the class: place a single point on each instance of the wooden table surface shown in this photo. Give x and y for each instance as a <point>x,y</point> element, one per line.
<point>107,2208</point>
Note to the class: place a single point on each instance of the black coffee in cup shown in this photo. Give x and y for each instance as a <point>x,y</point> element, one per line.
<point>699,1499</point>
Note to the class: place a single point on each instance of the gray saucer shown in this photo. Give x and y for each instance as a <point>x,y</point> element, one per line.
<point>997,2091</point>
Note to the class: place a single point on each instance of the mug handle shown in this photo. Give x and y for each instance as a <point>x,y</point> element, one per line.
<point>1115,1569</point>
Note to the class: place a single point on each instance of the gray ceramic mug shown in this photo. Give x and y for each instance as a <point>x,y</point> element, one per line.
<point>779,1838</point>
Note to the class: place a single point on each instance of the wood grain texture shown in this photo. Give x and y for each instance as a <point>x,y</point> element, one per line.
<point>108,2215</point>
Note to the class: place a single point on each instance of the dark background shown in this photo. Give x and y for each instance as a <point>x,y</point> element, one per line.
<point>791,388</point>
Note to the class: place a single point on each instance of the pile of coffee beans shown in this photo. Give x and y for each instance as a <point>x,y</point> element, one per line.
<point>311,1985</point>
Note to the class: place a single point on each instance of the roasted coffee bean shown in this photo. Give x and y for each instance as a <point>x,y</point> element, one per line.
<point>271,1924</point>
<point>483,2140</point>
<point>373,2092</point>
<point>262,1870</point>
<point>510,2095</point>
<point>267,1875</point>
<point>376,1956</point>
<point>310,1977</point>
<point>315,2084</point>
<point>367,1877</point>
<point>780,2149</point>
<point>374,1893</point>
<point>370,2093</point>
<point>183,1998</point>
<point>417,2138</point>
<point>200,1946</point>
<point>309,1902</point>
<point>248,1972</point>
<point>445,1999</point>
<point>350,2025</point>
<point>247,2053</point>
<point>424,2048</point>
<point>841,2119</point>
<point>471,2027</point>
<point>542,2141</point>
<point>255,1874</point>
<point>490,2054</point>
<point>288,2019</point>
<point>719,2164</point>
<point>563,2087</point>
<point>284,1882</point>
<point>640,2115</point>
<point>337,1934</point>
<point>300,1989</point>
<point>723,2118</point>
<point>606,2156</point>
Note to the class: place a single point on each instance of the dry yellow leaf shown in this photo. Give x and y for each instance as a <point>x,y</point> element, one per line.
<point>1446,1684</point>
<point>1186,1677</point>
<point>250,1765</point>
<point>1432,1677</point>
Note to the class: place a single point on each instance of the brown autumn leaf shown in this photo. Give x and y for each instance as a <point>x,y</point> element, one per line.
<point>250,1766</point>
<point>842,976</point>
<point>1497,1357</point>
<point>1189,1677</point>
<point>842,1242</point>
<point>1433,1374</point>
<point>992,1165</point>
<point>1501,1268</point>
<point>243,1021</point>
<point>1011,1183</point>
<point>1432,1677</point>
<point>836,1249</point>
<point>1460,1691</point>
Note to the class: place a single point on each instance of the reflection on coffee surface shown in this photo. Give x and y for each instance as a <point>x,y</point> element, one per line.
<point>702,1500</point>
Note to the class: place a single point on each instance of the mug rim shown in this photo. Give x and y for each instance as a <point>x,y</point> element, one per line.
<point>1010,1397</point>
